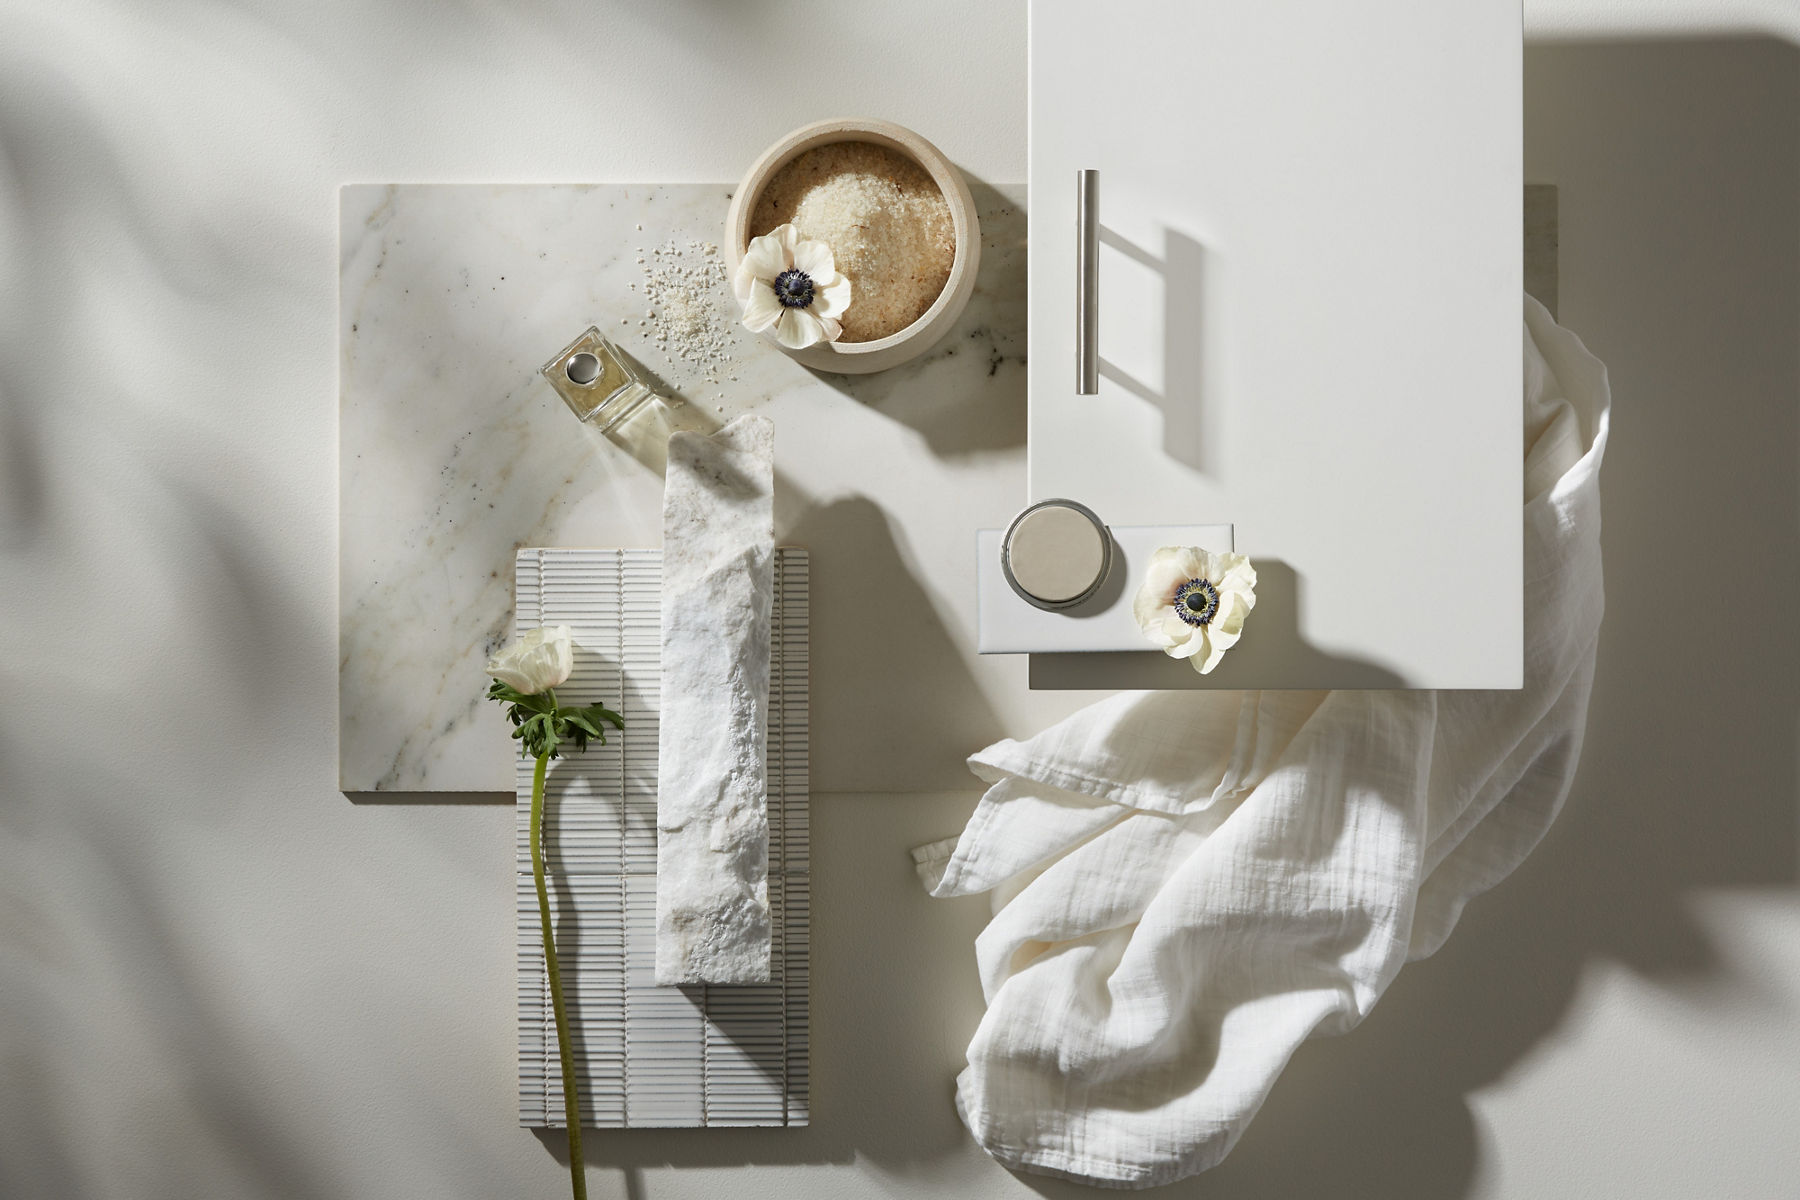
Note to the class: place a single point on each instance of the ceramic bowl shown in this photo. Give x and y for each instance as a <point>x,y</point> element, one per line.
<point>861,358</point>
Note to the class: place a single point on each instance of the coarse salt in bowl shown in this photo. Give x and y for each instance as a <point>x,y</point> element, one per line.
<point>899,291</point>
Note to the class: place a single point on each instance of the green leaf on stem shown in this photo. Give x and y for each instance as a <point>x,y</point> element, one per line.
<point>542,727</point>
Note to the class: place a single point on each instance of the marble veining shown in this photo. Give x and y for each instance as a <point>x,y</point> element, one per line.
<point>454,453</point>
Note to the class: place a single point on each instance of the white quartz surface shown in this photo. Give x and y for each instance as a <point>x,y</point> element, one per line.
<point>455,452</point>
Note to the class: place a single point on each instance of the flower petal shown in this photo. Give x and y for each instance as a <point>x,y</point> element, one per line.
<point>1192,561</point>
<point>1153,605</point>
<point>832,327</point>
<point>1159,637</point>
<point>537,662</point>
<point>1162,579</point>
<point>831,300</point>
<point>815,259</point>
<point>511,677</point>
<point>761,308</point>
<point>797,329</point>
<point>1176,630</point>
<point>1148,606</point>
<point>1154,599</point>
<point>1194,645</point>
<point>1233,608</point>
<point>1242,593</point>
<point>769,255</point>
<point>1236,573</point>
<point>1205,663</point>
<point>1165,554</point>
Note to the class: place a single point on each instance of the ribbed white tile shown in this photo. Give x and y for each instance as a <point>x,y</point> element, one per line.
<point>646,1055</point>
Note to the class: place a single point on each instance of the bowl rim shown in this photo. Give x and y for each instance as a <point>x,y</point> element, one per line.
<point>828,132</point>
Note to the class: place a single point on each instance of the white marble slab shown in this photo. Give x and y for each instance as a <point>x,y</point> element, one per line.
<point>455,453</point>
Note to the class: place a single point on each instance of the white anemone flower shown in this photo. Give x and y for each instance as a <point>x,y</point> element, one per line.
<point>1193,603</point>
<point>791,285</point>
<point>537,662</point>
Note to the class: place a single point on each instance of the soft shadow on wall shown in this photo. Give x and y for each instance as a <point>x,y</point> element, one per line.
<point>1679,172</point>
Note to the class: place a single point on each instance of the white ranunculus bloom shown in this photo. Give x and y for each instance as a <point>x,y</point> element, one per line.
<point>1193,603</point>
<point>537,662</point>
<point>792,286</point>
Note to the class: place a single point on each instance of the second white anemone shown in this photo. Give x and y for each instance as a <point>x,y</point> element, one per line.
<point>1193,603</point>
<point>791,285</point>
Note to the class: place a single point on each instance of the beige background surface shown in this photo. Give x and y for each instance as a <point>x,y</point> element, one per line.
<point>222,978</point>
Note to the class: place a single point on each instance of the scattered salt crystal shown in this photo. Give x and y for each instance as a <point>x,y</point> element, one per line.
<point>688,292</point>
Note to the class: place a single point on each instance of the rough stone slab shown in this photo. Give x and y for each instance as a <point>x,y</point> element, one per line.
<point>712,821</point>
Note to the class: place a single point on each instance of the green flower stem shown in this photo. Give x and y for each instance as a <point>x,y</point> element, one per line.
<point>571,1102</point>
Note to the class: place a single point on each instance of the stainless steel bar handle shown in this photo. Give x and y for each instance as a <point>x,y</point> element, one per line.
<point>1087,283</point>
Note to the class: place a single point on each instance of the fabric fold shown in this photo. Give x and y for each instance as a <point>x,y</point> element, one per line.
<point>1189,884</point>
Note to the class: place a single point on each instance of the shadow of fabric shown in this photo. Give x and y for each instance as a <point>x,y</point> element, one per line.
<point>1678,165</point>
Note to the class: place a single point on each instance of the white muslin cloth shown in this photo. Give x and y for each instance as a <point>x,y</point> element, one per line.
<point>1189,884</point>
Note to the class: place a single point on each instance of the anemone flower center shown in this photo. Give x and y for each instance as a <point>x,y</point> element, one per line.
<point>794,288</point>
<point>1197,601</point>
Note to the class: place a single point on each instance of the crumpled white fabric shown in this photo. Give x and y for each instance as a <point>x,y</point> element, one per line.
<point>1189,884</point>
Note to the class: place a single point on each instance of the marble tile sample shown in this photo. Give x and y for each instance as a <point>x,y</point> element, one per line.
<point>454,453</point>
<point>712,819</point>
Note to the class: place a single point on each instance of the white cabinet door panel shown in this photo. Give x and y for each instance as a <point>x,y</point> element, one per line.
<point>1309,313</point>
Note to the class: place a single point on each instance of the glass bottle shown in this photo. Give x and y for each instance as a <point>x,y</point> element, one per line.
<point>596,381</point>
